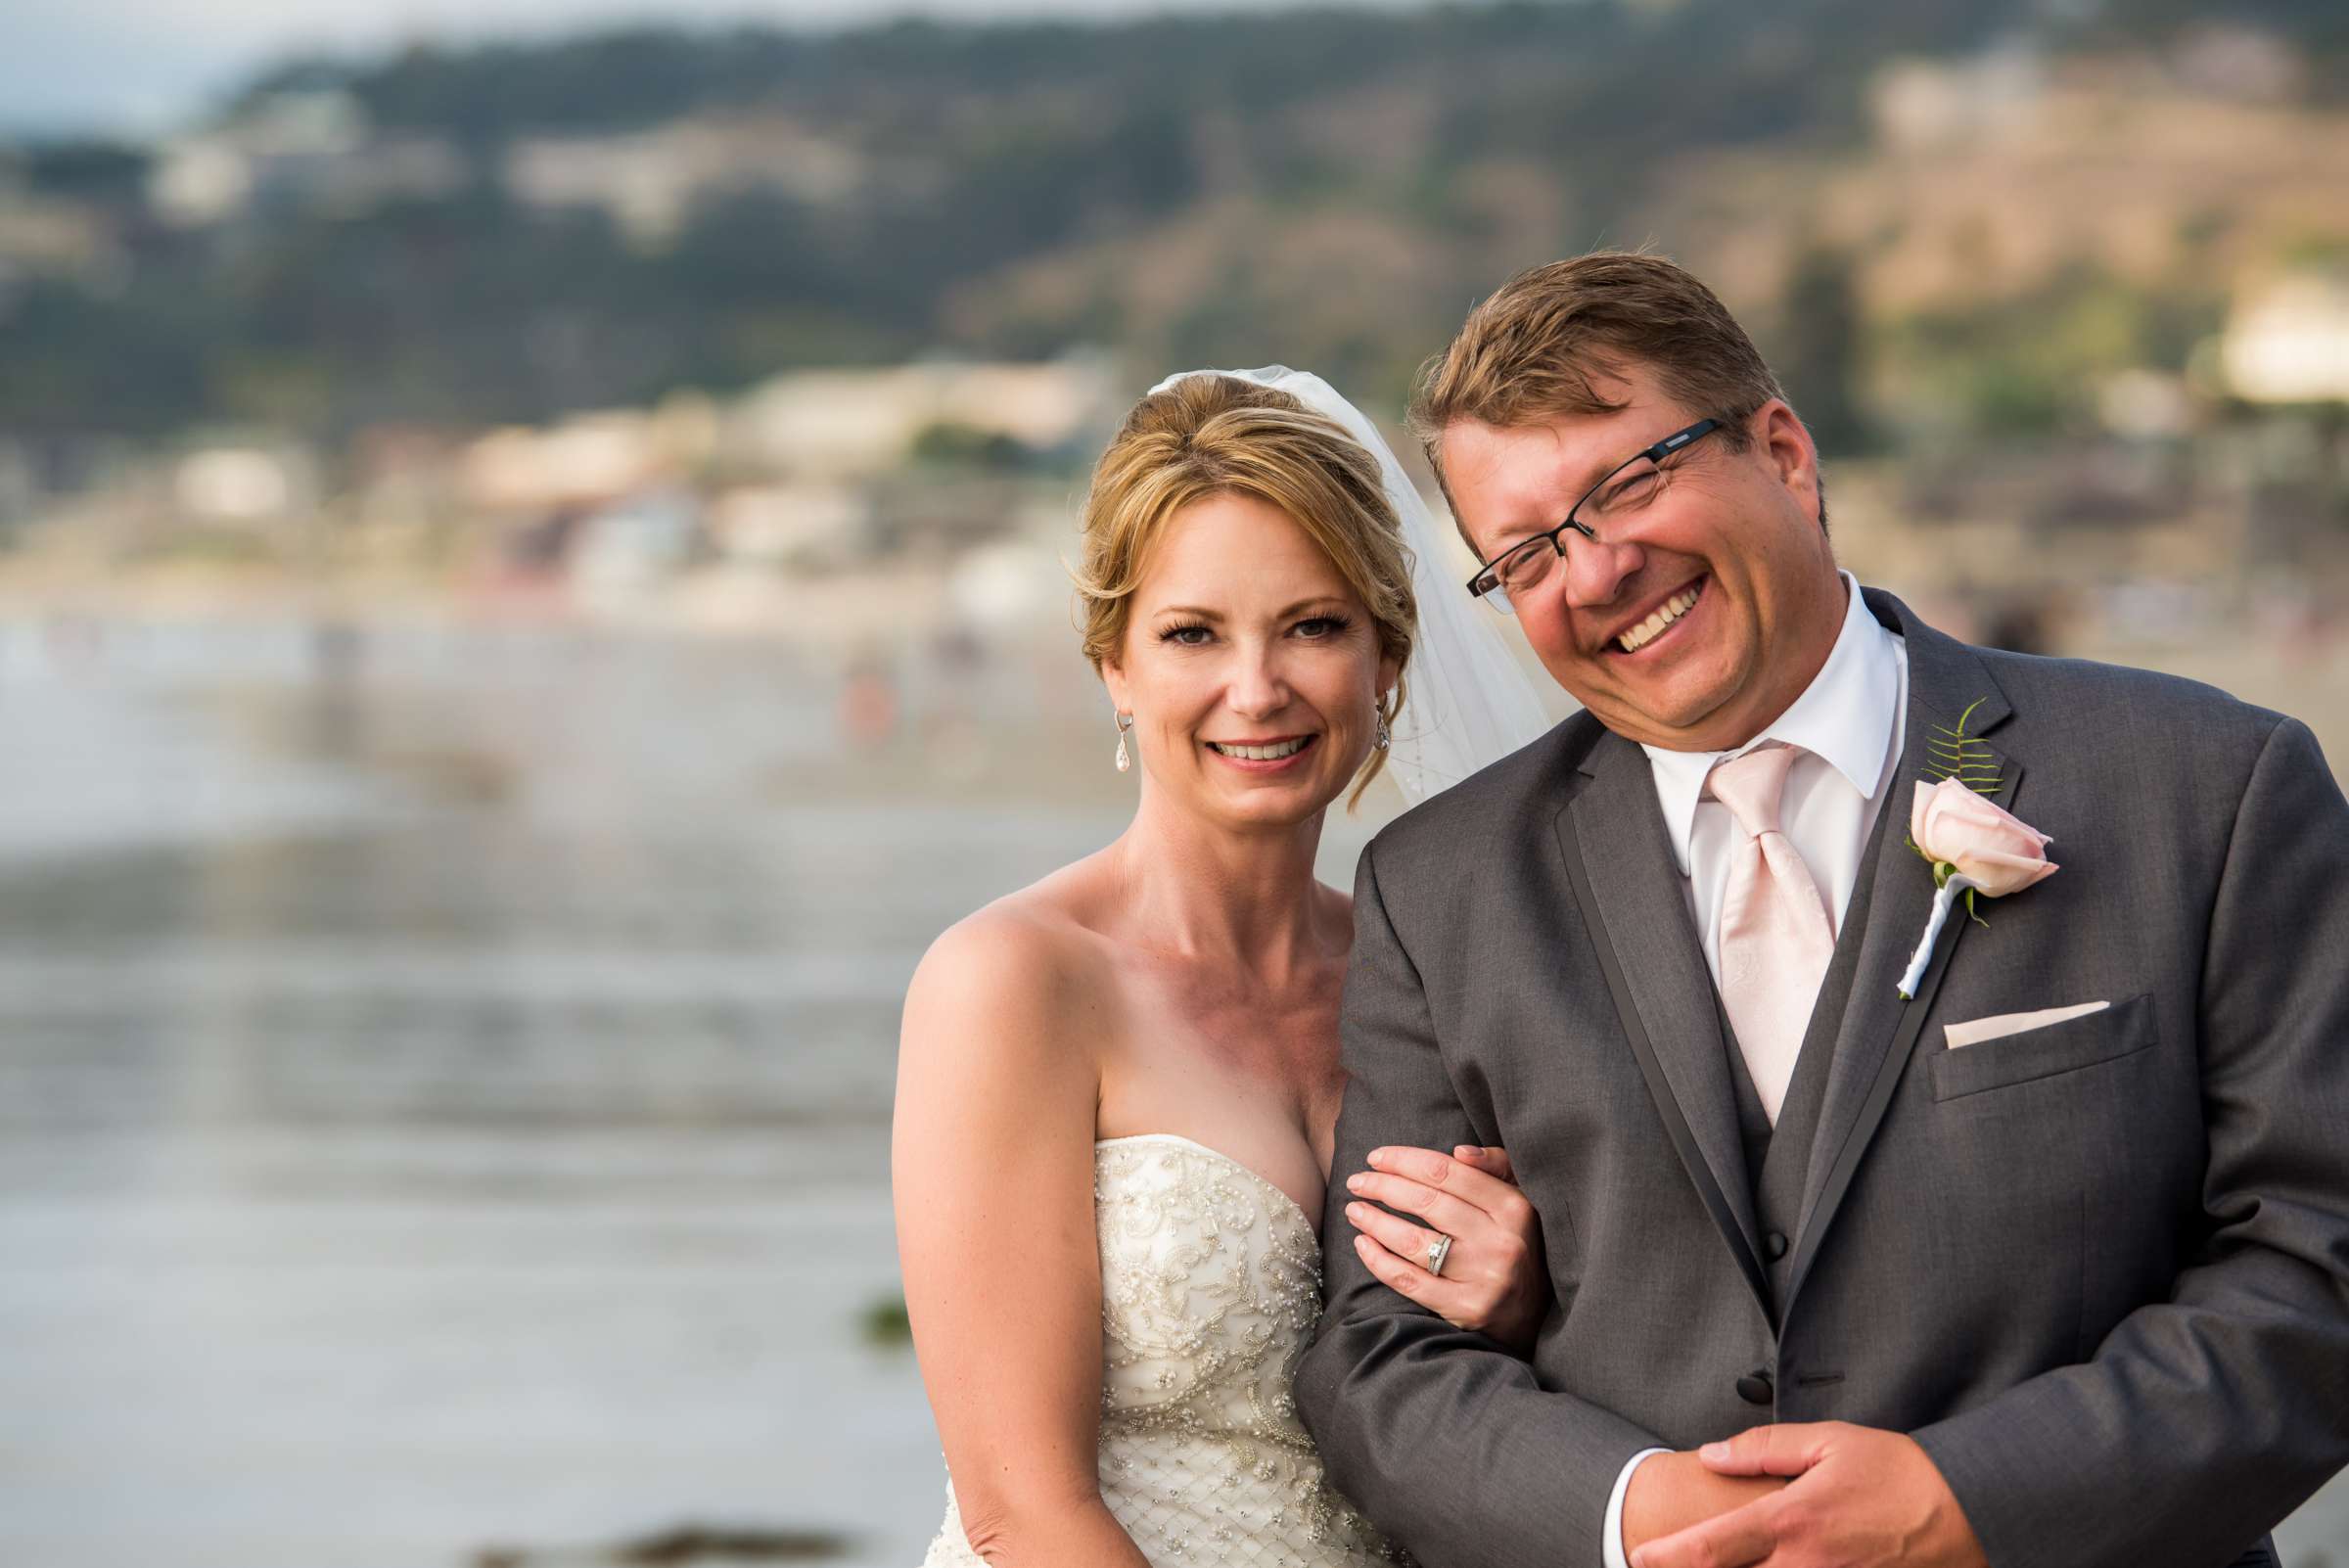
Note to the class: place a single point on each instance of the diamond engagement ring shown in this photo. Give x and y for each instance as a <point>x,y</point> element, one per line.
<point>1436,1251</point>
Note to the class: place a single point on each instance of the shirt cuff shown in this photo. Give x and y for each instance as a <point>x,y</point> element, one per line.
<point>1611,1550</point>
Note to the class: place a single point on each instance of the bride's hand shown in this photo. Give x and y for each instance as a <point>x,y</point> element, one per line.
<point>1494,1280</point>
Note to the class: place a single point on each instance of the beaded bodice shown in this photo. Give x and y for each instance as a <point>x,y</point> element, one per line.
<point>1209,1287</point>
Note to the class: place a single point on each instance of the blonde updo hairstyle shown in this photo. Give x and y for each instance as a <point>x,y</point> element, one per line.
<point>1208,435</point>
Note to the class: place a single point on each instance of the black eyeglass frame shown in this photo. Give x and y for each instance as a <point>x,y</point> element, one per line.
<point>1488,576</point>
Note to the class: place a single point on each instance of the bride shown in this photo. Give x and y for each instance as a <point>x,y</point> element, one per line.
<point>1117,1089</point>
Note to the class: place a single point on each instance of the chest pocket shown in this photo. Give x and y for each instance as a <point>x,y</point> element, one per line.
<point>2120,1030</point>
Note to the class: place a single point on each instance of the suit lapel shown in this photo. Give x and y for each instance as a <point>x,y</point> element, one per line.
<point>1619,861</point>
<point>1880,1029</point>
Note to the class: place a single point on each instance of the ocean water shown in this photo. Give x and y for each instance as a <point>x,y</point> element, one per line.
<point>445,1079</point>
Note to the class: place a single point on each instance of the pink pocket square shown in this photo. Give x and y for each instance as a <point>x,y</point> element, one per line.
<point>1974,1030</point>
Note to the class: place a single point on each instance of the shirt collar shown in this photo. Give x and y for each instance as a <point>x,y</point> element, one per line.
<point>1845,715</point>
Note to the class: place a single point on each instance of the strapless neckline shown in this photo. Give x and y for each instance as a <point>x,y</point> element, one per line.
<point>1287,1204</point>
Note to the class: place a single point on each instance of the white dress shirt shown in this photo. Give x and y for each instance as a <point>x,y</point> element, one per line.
<point>1850,724</point>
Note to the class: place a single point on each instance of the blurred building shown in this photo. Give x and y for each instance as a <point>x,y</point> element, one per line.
<point>2288,342</point>
<point>845,423</point>
<point>1920,106</point>
<point>296,150</point>
<point>45,235</point>
<point>650,181</point>
<point>813,525</point>
<point>245,484</point>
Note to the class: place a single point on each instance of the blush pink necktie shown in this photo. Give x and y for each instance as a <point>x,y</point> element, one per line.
<point>1776,933</point>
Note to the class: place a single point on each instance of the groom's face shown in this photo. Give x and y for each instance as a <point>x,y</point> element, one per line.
<point>1740,530</point>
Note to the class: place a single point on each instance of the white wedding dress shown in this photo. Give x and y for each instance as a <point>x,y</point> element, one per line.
<point>1209,1287</point>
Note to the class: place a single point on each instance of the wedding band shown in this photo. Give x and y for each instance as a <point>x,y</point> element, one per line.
<point>1436,1251</point>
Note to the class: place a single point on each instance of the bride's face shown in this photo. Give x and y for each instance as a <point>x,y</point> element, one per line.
<point>1243,634</point>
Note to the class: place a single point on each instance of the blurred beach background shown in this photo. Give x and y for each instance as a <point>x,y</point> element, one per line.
<point>530,588</point>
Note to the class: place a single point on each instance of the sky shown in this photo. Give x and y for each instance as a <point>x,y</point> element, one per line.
<point>140,67</point>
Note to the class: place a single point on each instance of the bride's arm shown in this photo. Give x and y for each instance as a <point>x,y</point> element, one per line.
<point>993,1171</point>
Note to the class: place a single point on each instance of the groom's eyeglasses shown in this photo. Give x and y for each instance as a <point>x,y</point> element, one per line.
<point>1610,505</point>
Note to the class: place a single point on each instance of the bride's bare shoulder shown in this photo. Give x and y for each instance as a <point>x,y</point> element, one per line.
<point>1029,965</point>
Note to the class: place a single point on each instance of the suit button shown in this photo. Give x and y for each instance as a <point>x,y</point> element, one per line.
<point>1755,1387</point>
<point>1776,1245</point>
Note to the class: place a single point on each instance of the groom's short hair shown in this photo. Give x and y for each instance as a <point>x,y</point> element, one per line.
<point>1531,350</point>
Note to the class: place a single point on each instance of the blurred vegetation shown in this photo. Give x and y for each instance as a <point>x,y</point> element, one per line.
<point>1819,358</point>
<point>2028,366</point>
<point>948,444</point>
<point>1326,187</point>
<point>885,1325</point>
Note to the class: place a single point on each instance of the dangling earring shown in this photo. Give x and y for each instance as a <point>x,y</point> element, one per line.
<point>1382,736</point>
<point>1125,724</point>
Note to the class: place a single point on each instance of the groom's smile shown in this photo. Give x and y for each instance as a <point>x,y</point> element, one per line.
<point>1693,623</point>
<point>1648,632</point>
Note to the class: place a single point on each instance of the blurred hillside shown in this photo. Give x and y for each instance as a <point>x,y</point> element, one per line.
<point>1940,214</point>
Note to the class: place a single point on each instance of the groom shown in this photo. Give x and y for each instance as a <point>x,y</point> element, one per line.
<point>2046,1262</point>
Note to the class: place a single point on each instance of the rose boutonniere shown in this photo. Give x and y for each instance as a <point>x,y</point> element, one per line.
<point>1975,845</point>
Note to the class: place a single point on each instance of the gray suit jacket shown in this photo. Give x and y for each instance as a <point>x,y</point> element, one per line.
<point>2100,1271</point>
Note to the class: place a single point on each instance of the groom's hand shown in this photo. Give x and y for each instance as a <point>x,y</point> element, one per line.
<point>1859,1495</point>
<point>1670,1492</point>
